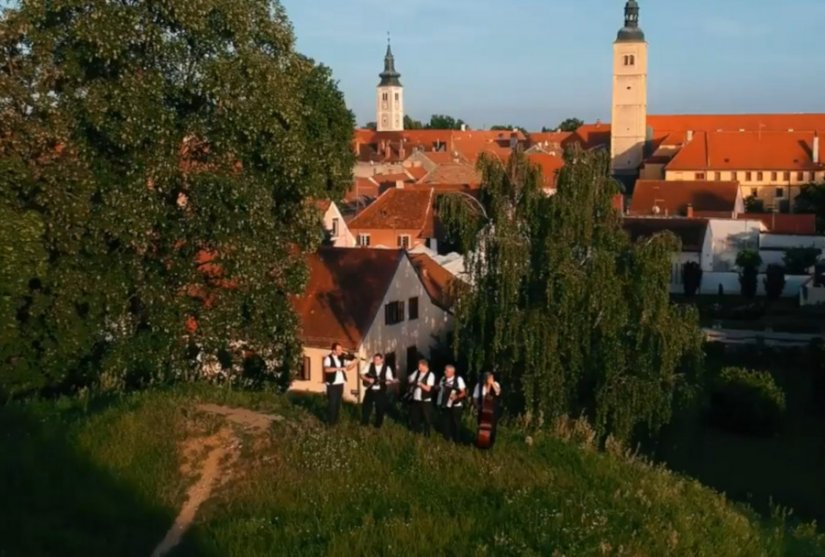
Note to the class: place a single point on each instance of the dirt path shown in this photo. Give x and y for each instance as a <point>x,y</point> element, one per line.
<point>222,450</point>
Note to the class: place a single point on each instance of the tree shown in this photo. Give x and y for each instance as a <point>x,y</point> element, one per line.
<point>444,122</point>
<point>748,261</point>
<point>811,199</point>
<point>774,282</point>
<point>799,261</point>
<point>371,126</point>
<point>754,205</point>
<point>691,278</point>
<point>502,127</point>
<point>570,125</point>
<point>410,124</point>
<point>572,315</point>
<point>153,160</point>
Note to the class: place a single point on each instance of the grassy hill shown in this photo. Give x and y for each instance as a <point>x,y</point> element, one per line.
<point>107,477</point>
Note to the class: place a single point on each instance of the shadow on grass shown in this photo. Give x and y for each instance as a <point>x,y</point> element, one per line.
<point>55,501</point>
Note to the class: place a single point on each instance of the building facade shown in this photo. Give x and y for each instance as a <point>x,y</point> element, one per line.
<point>390,97</point>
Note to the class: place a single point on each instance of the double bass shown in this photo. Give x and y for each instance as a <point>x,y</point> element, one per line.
<point>486,419</point>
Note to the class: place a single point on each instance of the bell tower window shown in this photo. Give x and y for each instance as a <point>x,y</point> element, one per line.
<point>630,60</point>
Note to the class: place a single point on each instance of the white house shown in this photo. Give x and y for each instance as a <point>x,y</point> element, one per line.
<point>335,225</point>
<point>371,301</point>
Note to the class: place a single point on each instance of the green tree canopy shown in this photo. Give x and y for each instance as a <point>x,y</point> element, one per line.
<point>799,261</point>
<point>570,125</point>
<point>156,159</point>
<point>411,124</point>
<point>444,122</point>
<point>572,315</point>
<point>505,127</point>
<point>811,199</point>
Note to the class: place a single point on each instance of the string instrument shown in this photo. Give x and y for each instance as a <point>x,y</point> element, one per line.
<point>389,385</point>
<point>486,417</point>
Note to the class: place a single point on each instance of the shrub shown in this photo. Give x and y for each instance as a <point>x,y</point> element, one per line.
<point>748,262</point>
<point>691,278</point>
<point>775,282</point>
<point>799,261</point>
<point>747,401</point>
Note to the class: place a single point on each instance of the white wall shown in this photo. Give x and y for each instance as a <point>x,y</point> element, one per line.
<point>432,320</point>
<point>785,241</point>
<point>728,238</point>
<point>316,380</point>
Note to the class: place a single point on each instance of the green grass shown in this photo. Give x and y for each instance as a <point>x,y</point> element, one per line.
<point>102,479</point>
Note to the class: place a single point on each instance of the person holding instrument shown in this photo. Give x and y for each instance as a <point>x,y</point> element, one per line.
<point>486,400</point>
<point>376,377</point>
<point>335,378</point>
<point>452,390</point>
<point>420,397</point>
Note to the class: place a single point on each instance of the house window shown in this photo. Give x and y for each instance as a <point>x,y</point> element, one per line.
<point>404,241</point>
<point>306,369</point>
<point>385,97</point>
<point>786,176</point>
<point>780,193</point>
<point>389,359</point>
<point>412,359</point>
<point>335,227</point>
<point>760,176</point>
<point>394,313</point>
<point>700,175</point>
<point>754,192</point>
<point>800,176</point>
<point>397,97</point>
<point>413,308</point>
<point>363,240</point>
<point>748,176</point>
<point>774,177</point>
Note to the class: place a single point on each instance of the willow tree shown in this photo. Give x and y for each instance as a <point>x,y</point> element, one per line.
<point>572,315</point>
<point>159,155</point>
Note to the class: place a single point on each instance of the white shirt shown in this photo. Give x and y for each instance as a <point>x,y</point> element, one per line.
<point>366,370</point>
<point>429,380</point>
<point>485,389</point>
<point>458,383</point>
<point>335,361</point>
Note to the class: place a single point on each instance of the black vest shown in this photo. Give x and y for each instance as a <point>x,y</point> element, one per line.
<point>329,377</point>
<point>382,377</point>
<point>425,396</point>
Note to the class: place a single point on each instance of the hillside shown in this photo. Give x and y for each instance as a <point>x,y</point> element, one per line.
<point>108,477</point>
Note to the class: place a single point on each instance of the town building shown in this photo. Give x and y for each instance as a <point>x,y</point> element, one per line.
<point>399,218</point>
<point>389,105</point>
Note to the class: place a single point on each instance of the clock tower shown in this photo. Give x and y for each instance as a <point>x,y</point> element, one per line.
<point>390,97</point>
<point>628,131</point>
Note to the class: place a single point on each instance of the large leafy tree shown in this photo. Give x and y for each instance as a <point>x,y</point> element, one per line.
<point>572,315</point>
<point>811,199</point>
<point>155,163</point>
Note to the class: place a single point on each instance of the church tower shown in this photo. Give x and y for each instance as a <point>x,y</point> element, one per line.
<point>390,99</point>
<point>628,131</point>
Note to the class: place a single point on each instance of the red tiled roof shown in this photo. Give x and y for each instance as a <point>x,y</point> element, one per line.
<point>397,209</point>
<point>691,232</point>
<point>594,135</point>
<point>780,223</point>
<point>559,138</point>
<point>392,178</point>
<point>749,151</point>
<point>362,187</point>
<point>438,281</point>
<point>445,157</point>
<point>735,122</point>
<point>673,198</point>
<point>417,172</point>
<point>550,165</point>
<point>453,173</point>
<point>344,293</point>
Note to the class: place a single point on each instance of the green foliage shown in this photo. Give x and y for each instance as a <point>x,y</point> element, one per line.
<point>504,127</point>
<point>692,278</point>
<point>411,124</point>
<point>799,261</point>
<point>77,469</point>
<point>811,199</point>
<point>134,137</point>
<point>754,205</point>
<point>748,258</point>
<point>374,126</point>
<point>444,122</point>
<point>747,401</point>
<point>572,315</point>
<point>748,261</point>
<point>774,281</point>
<point>570,125</point>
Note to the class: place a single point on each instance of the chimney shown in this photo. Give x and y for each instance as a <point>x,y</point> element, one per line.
<point>464,127</point>
<point>690,211</point>
<point>816,149</point>
<point>689,136</point>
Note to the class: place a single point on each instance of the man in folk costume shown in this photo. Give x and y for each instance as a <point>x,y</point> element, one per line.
<point>486,398</point>
<point>452,390</point>
<point>422,383</point>
<point>335,378</point>
<point>375,376</point>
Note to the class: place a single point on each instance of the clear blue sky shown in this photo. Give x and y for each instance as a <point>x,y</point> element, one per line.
<point>535,62</point>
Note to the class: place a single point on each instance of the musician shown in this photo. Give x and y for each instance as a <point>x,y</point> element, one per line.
<point>335,378</point>
<point>422,385</point>
<point>489,390</point>
<point>452,390</point>
<point>376,376</point>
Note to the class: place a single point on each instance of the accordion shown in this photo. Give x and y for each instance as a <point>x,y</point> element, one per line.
<point>446,392</point>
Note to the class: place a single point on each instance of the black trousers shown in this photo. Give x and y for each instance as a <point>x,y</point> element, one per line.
<point>335,393</point>
<point>421,416</point>
<point>374,399</point>
<point>451,423</point>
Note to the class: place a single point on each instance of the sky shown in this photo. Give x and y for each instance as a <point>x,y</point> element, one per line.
<point>533,63</point>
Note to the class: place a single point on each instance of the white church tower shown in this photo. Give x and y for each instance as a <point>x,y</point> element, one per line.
<point>628,131</point>
<point>390,99</point>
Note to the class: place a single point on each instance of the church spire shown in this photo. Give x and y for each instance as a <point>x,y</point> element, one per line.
<point>389,77</point>
<point>631,32</point>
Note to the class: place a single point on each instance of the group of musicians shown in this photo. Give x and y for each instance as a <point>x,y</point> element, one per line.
<point>423,392</point>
